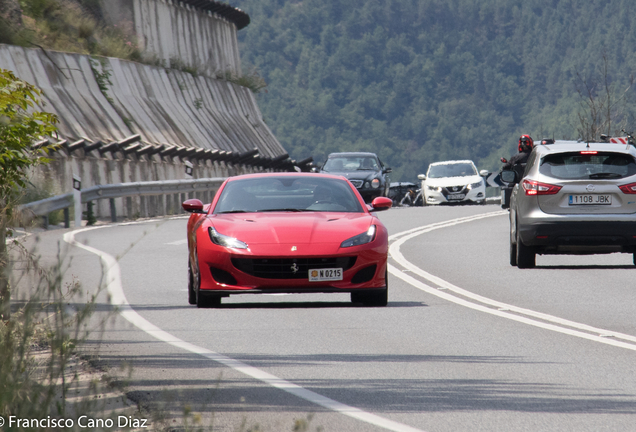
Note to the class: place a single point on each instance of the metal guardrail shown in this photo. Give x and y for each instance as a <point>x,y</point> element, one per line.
<point>112,191</point>
<point>149,188</point>
<point>132,145</point>
<point>49,205</point>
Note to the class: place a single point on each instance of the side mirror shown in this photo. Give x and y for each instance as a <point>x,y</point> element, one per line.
<point>421,176</point>
<point>381,203</point>
<point>509,176</point>
<point>387,170</point>
<point>193,206</point>
<point>484,173</point>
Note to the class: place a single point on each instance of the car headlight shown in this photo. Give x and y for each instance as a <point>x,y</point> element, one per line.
<point>225,241</point>
<point>360,239</point>
<point>375,183</point>
<point>434,188</point>
<point>475,185</point>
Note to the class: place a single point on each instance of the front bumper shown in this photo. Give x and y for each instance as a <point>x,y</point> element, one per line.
<point>219,274</point>
<point>444,197</point>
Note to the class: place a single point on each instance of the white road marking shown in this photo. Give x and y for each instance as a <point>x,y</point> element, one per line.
<point>178,242</point>
<point>497,308</point>
<point>118,299</point>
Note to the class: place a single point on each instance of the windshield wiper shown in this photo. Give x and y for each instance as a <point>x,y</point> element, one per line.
<point>283,210</point>
<point>235,211</point>
<point>604,175</point>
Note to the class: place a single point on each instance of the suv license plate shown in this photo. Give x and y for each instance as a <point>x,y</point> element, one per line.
<point>590,199</point>
<point>452,197</point>
<point>321,275</point>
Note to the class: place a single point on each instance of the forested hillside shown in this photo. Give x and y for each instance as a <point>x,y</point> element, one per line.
<point>424,80</point>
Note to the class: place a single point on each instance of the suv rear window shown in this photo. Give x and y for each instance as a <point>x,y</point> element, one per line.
<point>582,165</point>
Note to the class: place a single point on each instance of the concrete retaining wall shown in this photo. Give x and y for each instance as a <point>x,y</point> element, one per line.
<point>172,30</point>
<point>164,106</point>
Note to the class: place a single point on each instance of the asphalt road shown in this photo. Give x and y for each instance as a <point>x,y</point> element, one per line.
<point>467,342</point>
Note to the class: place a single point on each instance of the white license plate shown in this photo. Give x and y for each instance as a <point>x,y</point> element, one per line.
<point>451,197</point>
<point>590,199</point>
<point>321,275</point>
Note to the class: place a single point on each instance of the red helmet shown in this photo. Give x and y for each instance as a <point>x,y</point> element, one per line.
<point>525,143</point>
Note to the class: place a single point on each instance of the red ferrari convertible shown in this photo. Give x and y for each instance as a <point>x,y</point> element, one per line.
<point>287,233</point>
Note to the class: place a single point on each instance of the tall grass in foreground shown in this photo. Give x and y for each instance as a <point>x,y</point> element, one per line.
<point>49,320</point>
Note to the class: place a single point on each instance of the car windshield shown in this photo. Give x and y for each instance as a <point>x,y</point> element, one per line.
<point>287,194</point>
<point>583,165</point>
<point>461,169</point>
<point>351,163</point>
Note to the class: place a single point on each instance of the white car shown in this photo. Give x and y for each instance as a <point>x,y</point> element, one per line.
<point>455,181</point>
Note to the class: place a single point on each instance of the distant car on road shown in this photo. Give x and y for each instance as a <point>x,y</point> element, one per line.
<point>454,181</point>
<point>286,233</point>
<point>573,198</point>
<point>364,170</point>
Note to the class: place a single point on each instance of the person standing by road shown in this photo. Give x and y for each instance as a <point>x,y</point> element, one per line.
<point>516,163</point>
<point>525,147</point>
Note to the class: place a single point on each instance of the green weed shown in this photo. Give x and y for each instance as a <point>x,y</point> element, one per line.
<point>252,80</point>
<point>102,76</point>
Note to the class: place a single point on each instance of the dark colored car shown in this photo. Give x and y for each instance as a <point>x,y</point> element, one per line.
<point>364,170</point>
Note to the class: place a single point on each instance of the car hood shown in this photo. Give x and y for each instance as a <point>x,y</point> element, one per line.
<point>357,175</point>
<point>275,233</point>
<point>453,181</point>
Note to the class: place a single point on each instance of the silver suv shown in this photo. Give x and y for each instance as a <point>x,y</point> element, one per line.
<point>573,198</point>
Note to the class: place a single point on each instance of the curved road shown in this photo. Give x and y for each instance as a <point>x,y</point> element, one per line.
<point>467,342</point>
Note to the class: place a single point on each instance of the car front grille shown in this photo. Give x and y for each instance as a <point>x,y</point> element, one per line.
<point>455,189</point>
<point>357,183</point>
<point>289,268</point>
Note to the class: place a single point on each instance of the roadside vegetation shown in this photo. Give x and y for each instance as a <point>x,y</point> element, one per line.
<point>70,26</point>
<point>38,342</point>
<point>43,316</point>
<point>422,81</point>
<point>20,126</point>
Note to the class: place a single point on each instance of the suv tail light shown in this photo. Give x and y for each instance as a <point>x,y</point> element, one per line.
<point>628,188</point>
<point>535,188</point>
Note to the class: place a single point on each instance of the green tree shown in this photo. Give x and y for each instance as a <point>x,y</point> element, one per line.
<point>418,81</point>
<point>20,126</point>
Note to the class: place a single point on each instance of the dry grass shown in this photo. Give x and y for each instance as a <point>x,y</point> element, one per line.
<point>64,25</point>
